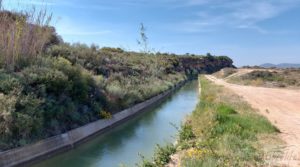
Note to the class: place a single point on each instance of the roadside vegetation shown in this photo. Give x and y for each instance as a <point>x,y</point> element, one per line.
<point>227,131</point>
<point>224,131</point>
<point>49,87</point>
<point>280,78</point>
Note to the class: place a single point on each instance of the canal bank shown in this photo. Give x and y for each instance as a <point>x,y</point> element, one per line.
<point>123,144</point>
<point>66,141</point>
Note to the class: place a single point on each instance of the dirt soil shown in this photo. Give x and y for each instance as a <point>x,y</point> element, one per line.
<point>281,107</point>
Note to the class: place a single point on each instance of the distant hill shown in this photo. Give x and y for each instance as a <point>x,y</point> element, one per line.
<point>282,65</point>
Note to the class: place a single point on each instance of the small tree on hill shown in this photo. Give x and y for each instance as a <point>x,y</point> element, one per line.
<point>143,41</point>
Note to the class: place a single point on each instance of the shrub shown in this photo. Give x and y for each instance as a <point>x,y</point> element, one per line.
<point>7,109</point>
<point>146,163</point>
<point>99,80</point>
<point>8,82</point>
<point>107,49</point>
<point>264,75</point>
<point>21,119</point>
<point>186,132</point>
<point>54,80</point>
<point>115,89</point>
<point>105,115</point>
<point>162,154</point>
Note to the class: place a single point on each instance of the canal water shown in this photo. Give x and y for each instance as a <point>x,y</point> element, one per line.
<point>123,145</point>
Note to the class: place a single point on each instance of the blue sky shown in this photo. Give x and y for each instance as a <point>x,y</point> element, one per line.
<point>251,32</point>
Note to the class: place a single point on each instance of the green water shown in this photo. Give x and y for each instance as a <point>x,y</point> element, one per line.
<point>123,144</point>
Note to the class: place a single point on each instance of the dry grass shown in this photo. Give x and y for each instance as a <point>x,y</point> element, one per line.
<point>279,78</point>
<point>23,36</point>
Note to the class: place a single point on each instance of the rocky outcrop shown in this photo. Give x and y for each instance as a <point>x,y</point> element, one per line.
<point>194,65</point>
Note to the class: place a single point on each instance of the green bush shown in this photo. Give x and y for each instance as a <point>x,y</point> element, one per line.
<point>52,96</point>
<point>264,75</point>
<point>54,80</point>
<point>21,119</point>
<point>8,82</point>
<point>105,115</point>
<point>115,89</point>
<point>162,154</point>
<point>7,109</point>
<point>186,133</point>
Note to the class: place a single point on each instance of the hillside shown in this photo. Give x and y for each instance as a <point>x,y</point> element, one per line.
<point>49,87</point>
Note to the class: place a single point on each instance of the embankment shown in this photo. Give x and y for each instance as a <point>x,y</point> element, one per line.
<point>48,147</point>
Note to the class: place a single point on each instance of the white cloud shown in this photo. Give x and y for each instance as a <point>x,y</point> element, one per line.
<point>245,14</point>
<point>67,27</point>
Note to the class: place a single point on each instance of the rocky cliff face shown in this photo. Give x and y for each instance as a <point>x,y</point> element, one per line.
<point>193,65</point>
<point>109,61</point>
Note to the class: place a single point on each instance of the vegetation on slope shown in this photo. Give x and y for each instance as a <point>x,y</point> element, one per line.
<point>270,78</point>
<point>223,131</point>
<point>49,87</point>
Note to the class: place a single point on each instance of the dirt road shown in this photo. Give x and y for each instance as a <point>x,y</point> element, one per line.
<point>281,107</point>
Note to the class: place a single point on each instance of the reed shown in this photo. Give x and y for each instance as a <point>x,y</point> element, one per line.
<point>23,36</point>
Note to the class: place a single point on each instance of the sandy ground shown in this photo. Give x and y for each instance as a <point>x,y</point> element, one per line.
<point>281,107</point>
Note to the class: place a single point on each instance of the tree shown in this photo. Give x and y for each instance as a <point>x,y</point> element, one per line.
<point>143,41</point>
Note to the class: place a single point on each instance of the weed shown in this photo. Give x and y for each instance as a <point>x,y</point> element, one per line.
<point>186,132</point>
<point>161,156</point>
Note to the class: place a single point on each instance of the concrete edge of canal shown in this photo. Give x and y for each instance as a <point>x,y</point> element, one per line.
<point>51,146</point>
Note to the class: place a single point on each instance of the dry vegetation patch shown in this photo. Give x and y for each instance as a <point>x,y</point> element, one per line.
<point>282,78</point>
